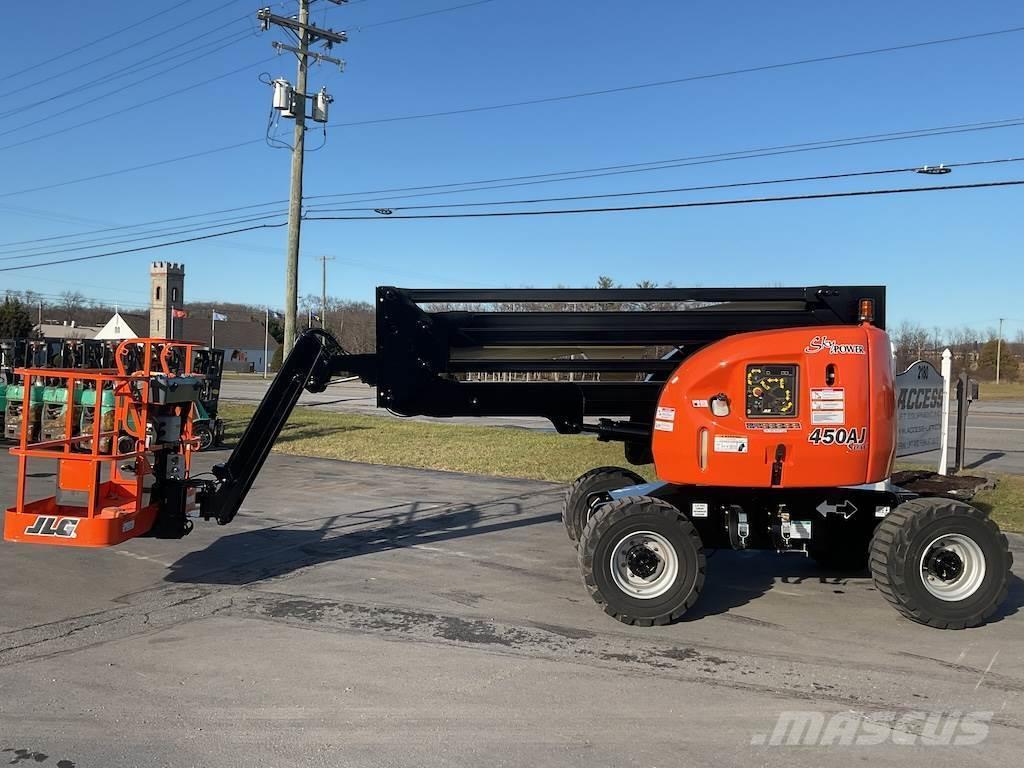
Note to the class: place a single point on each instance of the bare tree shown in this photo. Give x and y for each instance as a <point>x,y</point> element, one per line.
<point>71,302</point>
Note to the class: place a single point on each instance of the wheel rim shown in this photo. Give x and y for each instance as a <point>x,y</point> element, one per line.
<point>205,439</point>
<point>952,567</point>
<point>644,564</point>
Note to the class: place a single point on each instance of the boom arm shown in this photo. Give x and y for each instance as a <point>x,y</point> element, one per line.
<point>308,366</point>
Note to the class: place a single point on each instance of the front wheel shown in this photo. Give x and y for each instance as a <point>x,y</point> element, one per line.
<point>941,562</point>
<point>642,560</point>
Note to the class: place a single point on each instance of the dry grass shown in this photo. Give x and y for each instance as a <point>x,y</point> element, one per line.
<point>501,451</point>
<point>1002,391</point>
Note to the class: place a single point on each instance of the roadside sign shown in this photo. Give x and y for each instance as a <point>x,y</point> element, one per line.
<point>919,394</point>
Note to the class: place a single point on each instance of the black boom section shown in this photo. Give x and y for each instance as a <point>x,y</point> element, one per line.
<point>424,352</point>
<point>308,366</point>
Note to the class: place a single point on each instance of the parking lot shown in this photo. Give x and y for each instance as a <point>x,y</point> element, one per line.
<point>364,615</point>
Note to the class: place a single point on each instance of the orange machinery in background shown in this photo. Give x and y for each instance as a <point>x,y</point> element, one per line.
<point>122,439</point>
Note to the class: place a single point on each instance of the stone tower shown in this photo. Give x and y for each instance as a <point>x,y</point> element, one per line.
<point>167,292</point>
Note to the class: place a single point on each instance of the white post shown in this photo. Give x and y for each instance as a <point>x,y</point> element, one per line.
<point>266,342</point>
<point>947,377</point>
<point>213,329</point>
<point>999,349</point>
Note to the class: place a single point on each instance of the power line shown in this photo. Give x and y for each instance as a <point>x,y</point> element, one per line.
<point>139,225</point>
<point>39,250</point>
<point>213,48</point>
<point>569,211</point>
<point>144,236</point>
<point>584,94</point>
<point>53,301</point>
<point>659,165</point>
<point>702,188</point>
<point>145,247</point>
<point>78,283</point>
<point>680,80</point>
<point>122,48</point>
<point>134,107</point>
<point>666,206</point>
<point>542,178</point>
<point>99,40</point>
<point>531,179</point>
<point>147,62</point>
<point>132,169</point>
<point>361,27</point>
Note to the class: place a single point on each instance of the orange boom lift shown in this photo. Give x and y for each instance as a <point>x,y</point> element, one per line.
<point>768,413</point>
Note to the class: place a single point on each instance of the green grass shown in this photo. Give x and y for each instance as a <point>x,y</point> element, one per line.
<point>1005,503</point>
<point>989,390</point>
<point>501,451</point>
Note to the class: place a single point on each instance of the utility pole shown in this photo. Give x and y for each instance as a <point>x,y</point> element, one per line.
<point>999,348</point>
<point>292,103</point>
<point>323,289</point>
<point>291,273</point>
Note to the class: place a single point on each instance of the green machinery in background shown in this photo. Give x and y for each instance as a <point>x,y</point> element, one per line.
<point>47,404</point>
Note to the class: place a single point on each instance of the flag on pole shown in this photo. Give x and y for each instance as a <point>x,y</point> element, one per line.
<point>218,316</point>
<point>179,313</point>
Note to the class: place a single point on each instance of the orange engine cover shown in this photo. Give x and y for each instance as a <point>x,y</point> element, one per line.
<point>807,407</point>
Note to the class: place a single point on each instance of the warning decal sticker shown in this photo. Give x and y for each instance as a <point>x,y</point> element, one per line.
<point>729,444</point>
<point>828,406</point>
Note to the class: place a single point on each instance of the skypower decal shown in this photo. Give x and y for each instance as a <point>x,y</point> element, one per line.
<point>820,343</point>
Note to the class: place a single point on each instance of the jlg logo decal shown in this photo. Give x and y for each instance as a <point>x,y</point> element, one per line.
<point>855,438</point>
<point>818,343</point>
<point>64,527</point>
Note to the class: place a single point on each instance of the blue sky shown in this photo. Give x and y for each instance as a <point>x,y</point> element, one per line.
<point>948,258</point>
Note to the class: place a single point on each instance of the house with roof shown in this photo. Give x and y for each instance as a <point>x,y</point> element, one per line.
<point>241,339</point>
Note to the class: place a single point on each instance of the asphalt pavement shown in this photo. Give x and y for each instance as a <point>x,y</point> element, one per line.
<point>995,431</point>
<point>379,616</point>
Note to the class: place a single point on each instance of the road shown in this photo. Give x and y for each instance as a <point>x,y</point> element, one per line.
<point>382,616</point>
<point>995,433</point>
<point>995,438</point>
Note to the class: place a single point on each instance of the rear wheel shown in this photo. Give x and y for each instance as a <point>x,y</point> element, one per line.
<point>941,562</point>
<point>588,491</point>
<point>642,560</point>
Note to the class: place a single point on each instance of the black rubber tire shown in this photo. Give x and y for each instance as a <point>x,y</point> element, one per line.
<point>576,509</point>
<point>205,435</point>
<point>898,546</point>
<point>609,523</point>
